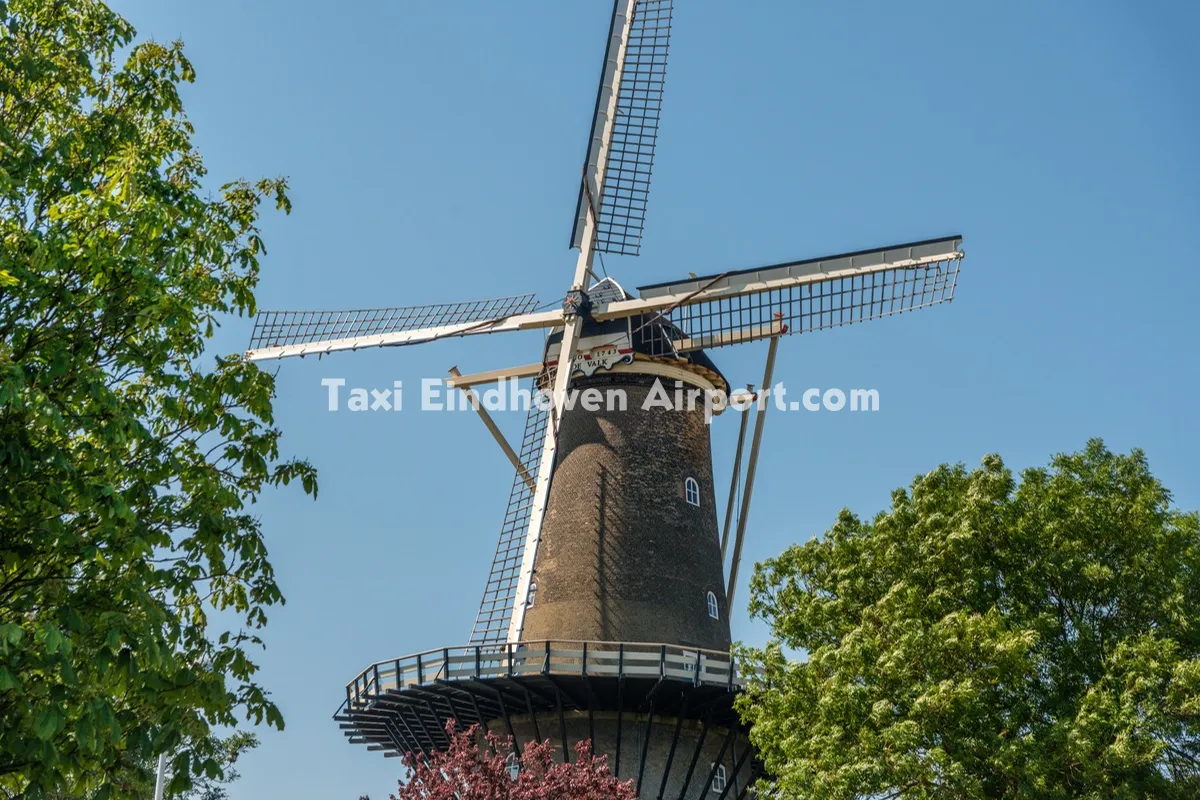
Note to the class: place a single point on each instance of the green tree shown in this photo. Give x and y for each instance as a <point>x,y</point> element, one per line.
<point>984,638</point>
<point>129,460</point>
<point>225,751</point>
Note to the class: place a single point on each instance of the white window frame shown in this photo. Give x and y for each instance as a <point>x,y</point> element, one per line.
<point>531,595</point>
<point>714,608</point>
<point>513,765</point>
<point>719,778</point>
<point>691,491</point>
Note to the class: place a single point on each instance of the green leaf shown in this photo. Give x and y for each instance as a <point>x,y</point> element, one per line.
<point>53,639</point>
<point>73,620</point>
<point>46,723</point>
<point>85,734</point>
<point>11,633</point>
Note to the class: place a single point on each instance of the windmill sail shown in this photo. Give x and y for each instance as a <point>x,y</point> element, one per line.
<point>797,297</point>
<point>634,29</point>
<point>496,607</point>
<point>618,185</point>
<point>279,334</point>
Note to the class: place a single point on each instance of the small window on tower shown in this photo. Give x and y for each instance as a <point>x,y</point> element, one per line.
<point>529,598</point>
<point>513,763</point>
<point>718,783</point>
<point>713,610</point>
<point>691,491</point>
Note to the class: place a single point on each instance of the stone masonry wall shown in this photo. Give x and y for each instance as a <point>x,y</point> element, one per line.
<point>623,556</point>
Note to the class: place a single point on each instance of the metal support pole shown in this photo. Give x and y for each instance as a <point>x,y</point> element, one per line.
<point>620,704</point>
<point>430,734</point>
<point>732,783</point>
<point>733,482</point>
<point>412,740</point>
<point>440,728</point>
<point>537,731</point>
<point>508,724</point>
<point>479,720</point>
<point>687,779</point>
<point>662,787</point>
<point>645,748</point>
<point>760,417</point>
<point>453,710</point>
<point>720,757</point>
<point>562,725</point>
<point>160,783</point>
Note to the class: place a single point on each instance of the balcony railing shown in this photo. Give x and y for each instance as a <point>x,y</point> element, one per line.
<point>583,659</point>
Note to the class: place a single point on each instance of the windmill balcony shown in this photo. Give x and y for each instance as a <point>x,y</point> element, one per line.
<point>401,705</point>
<point>522,659</point>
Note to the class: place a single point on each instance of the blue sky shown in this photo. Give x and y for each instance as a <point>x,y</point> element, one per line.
<point>433,150</point>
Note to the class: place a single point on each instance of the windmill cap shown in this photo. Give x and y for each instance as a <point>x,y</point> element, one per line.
<point>644,335</point>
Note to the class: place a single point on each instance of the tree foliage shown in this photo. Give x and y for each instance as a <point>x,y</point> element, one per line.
<point>128,460</point>
<point>225,751</point>
<point>476,767</point>
<point>984,638</point>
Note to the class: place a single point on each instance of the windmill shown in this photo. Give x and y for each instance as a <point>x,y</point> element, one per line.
<point>605,615</point>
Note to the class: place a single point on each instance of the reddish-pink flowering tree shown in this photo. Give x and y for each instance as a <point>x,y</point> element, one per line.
<point>476,768</point>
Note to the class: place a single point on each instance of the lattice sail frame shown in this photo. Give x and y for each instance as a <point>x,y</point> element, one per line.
<point>500,591</point>
<point>273,329</point>
<point>856,287</point>
<point>620,196</point>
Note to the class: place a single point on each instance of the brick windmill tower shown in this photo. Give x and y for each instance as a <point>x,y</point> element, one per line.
<point>605,616</point>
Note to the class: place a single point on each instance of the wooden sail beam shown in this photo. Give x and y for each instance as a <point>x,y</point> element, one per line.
<point>493,429</point>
